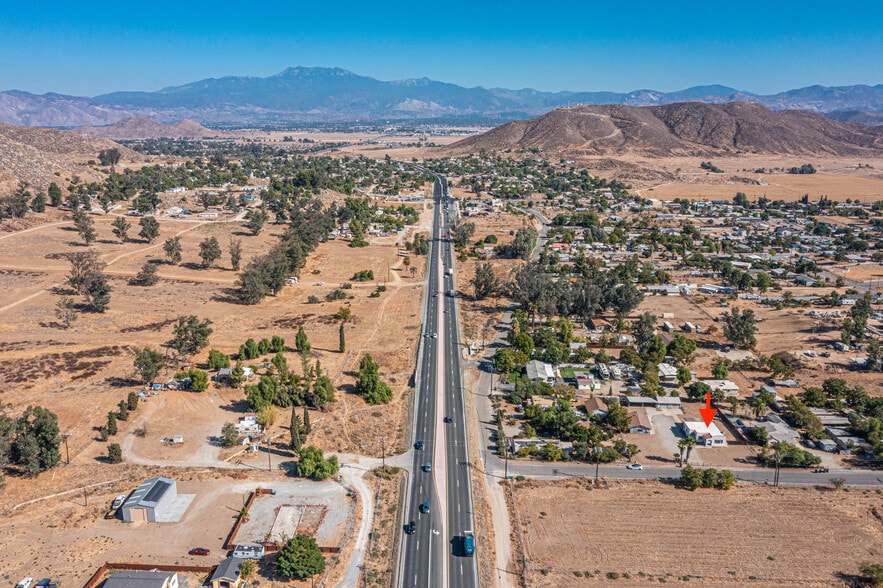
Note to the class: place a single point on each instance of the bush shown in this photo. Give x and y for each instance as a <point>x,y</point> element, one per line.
<point>217,360</point>
<point>311,299</point>
<point>114,453</point>
<point>363,276</point>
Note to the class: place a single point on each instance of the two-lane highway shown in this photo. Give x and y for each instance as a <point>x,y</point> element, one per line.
<point>432,555</point>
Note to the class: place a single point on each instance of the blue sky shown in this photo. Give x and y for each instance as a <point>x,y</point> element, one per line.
<point>89,48</point>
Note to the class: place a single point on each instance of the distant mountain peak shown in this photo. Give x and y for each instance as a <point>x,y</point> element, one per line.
<point>302,71</point>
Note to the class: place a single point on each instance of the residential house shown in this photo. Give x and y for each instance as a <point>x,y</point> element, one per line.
<point>668,373</point>
<point>639,422</point>
<point>705,436</point>
<point>728,387</point>
<point>539,371</point>
<point>594,407</point>
<point>142,579</point>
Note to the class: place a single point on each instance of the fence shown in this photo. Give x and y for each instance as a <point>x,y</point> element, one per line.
<point>107,567</point>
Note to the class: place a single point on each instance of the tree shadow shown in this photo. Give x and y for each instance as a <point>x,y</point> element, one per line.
<point>108,241</point>
<point>62,291</point>
<point>192,265</point>
<point>121,382</point>
<point>228,296</point>
<point>240,406</point>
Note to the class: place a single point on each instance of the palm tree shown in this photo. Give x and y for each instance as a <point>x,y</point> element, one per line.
<point>759,406</point>
<point>687,444</point>
<point>734,403</point>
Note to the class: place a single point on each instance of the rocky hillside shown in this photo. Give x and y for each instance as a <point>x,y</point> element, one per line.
<point>687,128</point>
<point>40,156</point>
<point>144,128</point>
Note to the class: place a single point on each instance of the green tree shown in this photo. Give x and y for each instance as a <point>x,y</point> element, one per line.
<point>740,327</point>
<point>342,339</point>
<point>503,361</point>
<point>149,229</point>
<point>323,391</point>
<point>300,559</point>
<point>114,453</point>
<point>66,312</point>
<point>34,446</point>
<point>235,250</point>
<point>301,343</point>
<point>872,573</point>
<point>358,232</point>
<point>295,430</point>
<point>132,401</point>
<point>146,276</point>
<point>190,335</point>
<point>682,349</point>
<point>148,364</point>
<point>97,292</point>
<point>55,198</point>
<point>85,226</point>
<point>720,371</point>
<point>112,427</point>
<point>237,376</point>
<point>209,251</point>
<point>198,380</point>
<point>121,228</point>
<point>312,464</point>
<point>368,384</point>
<point>172,249</point>
<point>229,436</point>
<point>109,156</point>
<point>256,220</point>
<point>217,360</point>
<point>306,421</point>
<point>485,283</point>
<point>644,332</point>
<point>123,414</point>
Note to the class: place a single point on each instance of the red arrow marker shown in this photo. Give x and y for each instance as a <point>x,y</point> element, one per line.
<point>708,412</point>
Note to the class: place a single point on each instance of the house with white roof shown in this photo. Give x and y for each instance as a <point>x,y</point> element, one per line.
<point>705,435</point>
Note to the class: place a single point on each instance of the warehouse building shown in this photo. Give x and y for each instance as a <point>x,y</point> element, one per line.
<point>150,501</point>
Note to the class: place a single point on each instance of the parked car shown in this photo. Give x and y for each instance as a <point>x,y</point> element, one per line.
<point>634,466</point>
<point>424,508</point>
<point>25,583</point>
<point>427,467</point>
<point>118,501</point>
<point>199,551</point>
<point>419,445</point>
<point>410,528</point>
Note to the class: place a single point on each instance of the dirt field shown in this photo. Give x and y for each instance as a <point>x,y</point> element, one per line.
<point>650,531</point>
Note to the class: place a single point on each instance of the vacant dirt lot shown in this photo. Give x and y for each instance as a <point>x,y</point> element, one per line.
<point>640,531</point>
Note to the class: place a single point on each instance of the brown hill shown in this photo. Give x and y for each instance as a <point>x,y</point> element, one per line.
<point>686,128</point>
<point>144,128</point>
<point>34,155</point>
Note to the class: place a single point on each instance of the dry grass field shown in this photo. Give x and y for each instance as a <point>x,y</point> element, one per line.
<point>635,532</point>
<point>83,372</point>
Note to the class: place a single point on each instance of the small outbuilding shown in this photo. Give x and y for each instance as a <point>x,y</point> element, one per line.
<point>227,575</point>
<point>150,501</point>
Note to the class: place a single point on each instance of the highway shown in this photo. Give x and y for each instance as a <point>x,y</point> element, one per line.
<point>432,554</point>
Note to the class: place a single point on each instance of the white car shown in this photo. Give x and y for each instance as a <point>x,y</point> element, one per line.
<point>634,466</point>
<point>25,583</point>
<point>118,501</point>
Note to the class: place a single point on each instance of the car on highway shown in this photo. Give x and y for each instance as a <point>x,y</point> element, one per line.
<point>424,508</point>
<point>427,467</point>
<point>118,501</point>
<point>448,419</point>
<point>435,335</point>
<point>410,528</point>
<point>418,445</point>
<point>199,551</point>
<point>634,466</point>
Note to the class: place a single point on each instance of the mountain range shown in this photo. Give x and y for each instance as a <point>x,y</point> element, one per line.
<point>680,129</point>
<point>312,94</point>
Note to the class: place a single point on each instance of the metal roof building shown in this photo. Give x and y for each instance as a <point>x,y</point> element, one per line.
<point>151,499</point>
